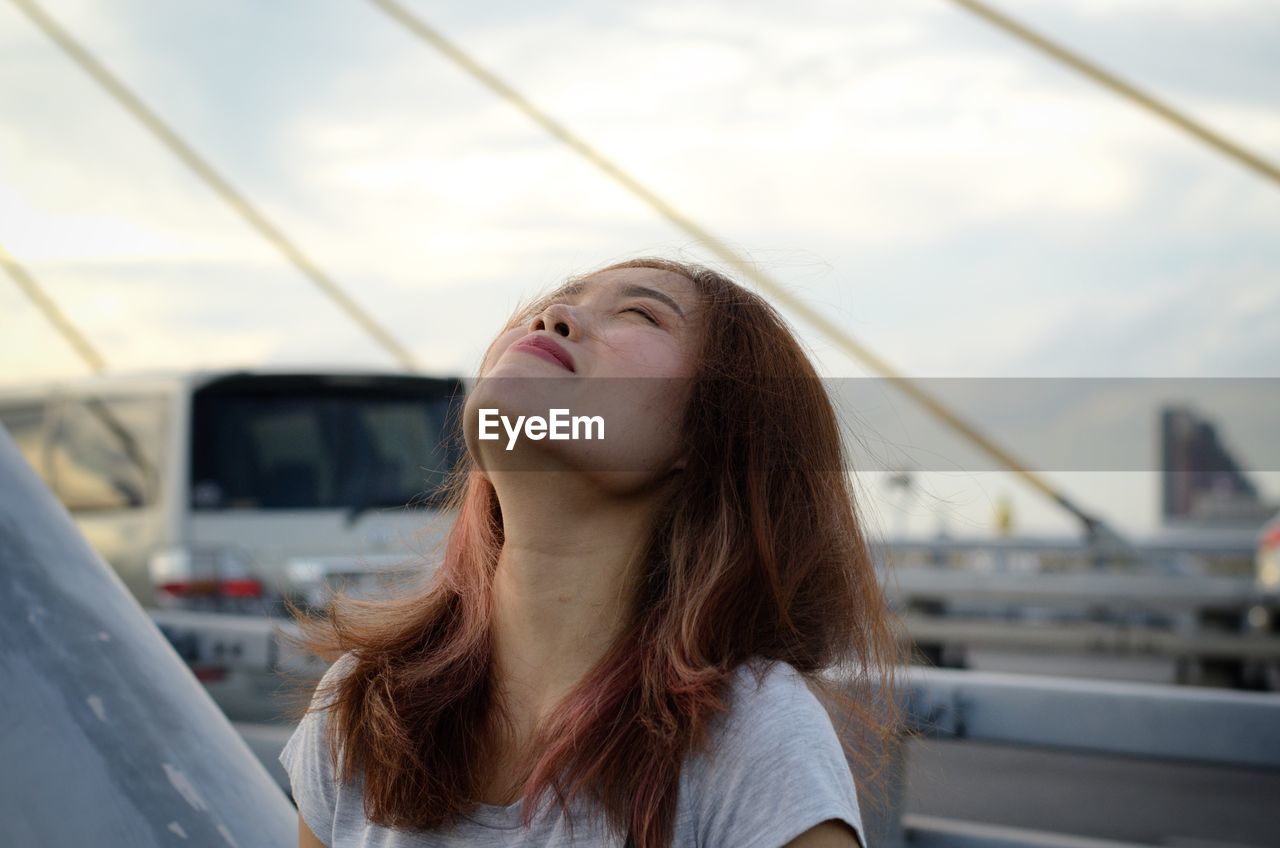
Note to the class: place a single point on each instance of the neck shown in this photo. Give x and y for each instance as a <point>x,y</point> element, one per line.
<point>562,589</point>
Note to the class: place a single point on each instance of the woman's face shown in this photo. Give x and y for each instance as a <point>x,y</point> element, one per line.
<point>621,351</point>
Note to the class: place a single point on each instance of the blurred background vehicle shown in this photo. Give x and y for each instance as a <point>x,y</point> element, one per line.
<point>232,490</point>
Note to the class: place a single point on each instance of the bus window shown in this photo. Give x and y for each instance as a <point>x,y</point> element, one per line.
<point>26,427</point>
<point>308,449</point>
<point>105,453</point>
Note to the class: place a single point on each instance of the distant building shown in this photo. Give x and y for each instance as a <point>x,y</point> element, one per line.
<point>1202,483</point>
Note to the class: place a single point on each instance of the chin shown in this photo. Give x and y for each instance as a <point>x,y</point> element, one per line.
<point>516,391</point>
<point>612,472</point>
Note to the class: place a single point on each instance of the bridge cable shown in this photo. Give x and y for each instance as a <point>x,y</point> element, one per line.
<point>52,313</point>
<point>1110,81</point>
<point>216,181</point>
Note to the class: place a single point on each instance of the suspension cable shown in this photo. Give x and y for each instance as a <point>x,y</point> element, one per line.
<point>52,313</point>
<point>118,90</point>
<point>1110,81</point>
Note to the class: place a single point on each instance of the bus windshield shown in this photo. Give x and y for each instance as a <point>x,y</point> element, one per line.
<point>355,445</point>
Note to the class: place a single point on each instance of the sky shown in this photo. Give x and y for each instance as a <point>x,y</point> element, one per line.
<point>959,204</point>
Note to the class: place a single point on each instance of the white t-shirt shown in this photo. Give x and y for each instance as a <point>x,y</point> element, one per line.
<point>775,769</point>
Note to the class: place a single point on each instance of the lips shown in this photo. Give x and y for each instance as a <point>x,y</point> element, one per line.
<point>546,345</point>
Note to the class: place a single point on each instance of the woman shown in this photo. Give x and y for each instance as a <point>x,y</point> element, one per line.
<point>635,625</point>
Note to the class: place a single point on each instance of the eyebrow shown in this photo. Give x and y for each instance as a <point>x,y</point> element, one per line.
<point>644,291</point>
<point>572,290</point>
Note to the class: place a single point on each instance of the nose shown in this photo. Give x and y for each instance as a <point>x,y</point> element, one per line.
<point>559,318</point>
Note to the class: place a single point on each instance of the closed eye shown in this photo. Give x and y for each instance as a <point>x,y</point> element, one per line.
<point>642,312</point>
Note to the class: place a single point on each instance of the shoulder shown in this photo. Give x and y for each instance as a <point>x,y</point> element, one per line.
<point>313,725</point>
<point>305,757</point>
<point>770,696</point>
<point>774,719</point>
<point>775,766</point>
<point>338,668</point>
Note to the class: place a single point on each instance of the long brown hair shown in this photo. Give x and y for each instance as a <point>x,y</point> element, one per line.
<point>759,553</point>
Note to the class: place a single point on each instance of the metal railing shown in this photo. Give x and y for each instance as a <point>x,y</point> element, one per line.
<point>1147,721</point>
<point>1196,603</point>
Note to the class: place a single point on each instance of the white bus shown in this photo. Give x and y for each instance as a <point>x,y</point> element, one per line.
<point>229,490</point>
